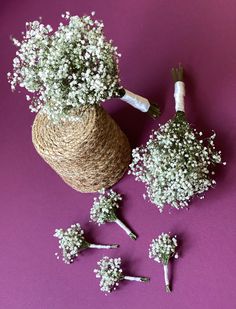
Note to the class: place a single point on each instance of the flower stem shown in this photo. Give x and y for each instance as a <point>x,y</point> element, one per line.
<point>167,284</point>
<point>178,73</point>
<point>153,111</point>
<point>126,229</point>
<point>139,279</point>
<point>95,246</point>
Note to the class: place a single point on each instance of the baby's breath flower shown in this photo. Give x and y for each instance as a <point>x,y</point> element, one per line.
<point>176,163</point>
<point>110,274</point>
<point>161,250</point>
<point>68,68</point>
<point>104,210</point>
<point>72,242</point>
<point>73,66</point>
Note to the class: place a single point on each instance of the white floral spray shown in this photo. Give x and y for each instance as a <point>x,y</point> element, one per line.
<point>161,250</point>
<point>177,163</point>
<point>68,68</point>
<point>104,210</point>
<point>110,274</point>
<point>72,242</point>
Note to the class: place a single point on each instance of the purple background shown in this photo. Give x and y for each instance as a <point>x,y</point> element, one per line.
<point>153,36</point>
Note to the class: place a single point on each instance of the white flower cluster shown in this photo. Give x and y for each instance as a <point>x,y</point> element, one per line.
<point>104,207</point>
<point>71,241</point>
<point>110,273</point>
<point>163,248</point>
<point>175,164</point>
<point>69,68</point>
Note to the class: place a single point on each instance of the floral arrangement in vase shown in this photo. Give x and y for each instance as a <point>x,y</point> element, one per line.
<point>73,66</point>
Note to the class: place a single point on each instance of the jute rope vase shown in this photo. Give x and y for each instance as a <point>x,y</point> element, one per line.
<point>89,154</point>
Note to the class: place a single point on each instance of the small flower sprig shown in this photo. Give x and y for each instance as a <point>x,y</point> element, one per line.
<point>111,274</point>
<point>72,242</point>
<point>176,163</point>
<point>161,250</point>
<point>104,210</point>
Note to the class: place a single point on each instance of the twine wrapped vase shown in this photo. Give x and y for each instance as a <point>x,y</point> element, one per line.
<point>89,154</point>
<point>63,70</point>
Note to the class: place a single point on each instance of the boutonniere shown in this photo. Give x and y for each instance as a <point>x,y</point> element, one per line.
<point>104,210</point>
<point>111,274</point>
<point>72,242</point>
<point>162,249</point>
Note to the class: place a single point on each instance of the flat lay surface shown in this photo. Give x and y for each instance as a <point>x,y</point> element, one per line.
<point>152,36</point>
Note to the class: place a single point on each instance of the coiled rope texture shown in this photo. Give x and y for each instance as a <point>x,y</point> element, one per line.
<point>89,154</point>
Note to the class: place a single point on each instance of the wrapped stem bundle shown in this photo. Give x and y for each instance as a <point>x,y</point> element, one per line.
<point>161,250</point>
<point>177,162</point>
<point>68,68</point>
<point>110,274</point>
<point>104,210</point>
<point>139,102</point>
<point>72,242</point>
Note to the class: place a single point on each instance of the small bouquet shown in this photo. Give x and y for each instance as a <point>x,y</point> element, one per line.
<point>104,210</point>
<point>71,67</point>
<point>177,162</point>
<point>161,250</point>
<point>111,274</point>
<point>72,242</point>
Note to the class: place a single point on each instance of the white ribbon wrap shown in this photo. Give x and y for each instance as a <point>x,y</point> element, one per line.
<point>179,96</point>
<point>123,226</point>
<point>95,246</point>
<point>136,101</point>
<point>166,274</point>
<point>133,278</point>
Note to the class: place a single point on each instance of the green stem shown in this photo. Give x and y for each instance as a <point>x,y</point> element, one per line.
<point>154,110</point>
<point>168,289</point>
<point>178,73</point>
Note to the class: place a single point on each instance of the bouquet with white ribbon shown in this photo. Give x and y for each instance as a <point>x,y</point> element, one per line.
<point>73,66</point>
<point>177,163</point>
